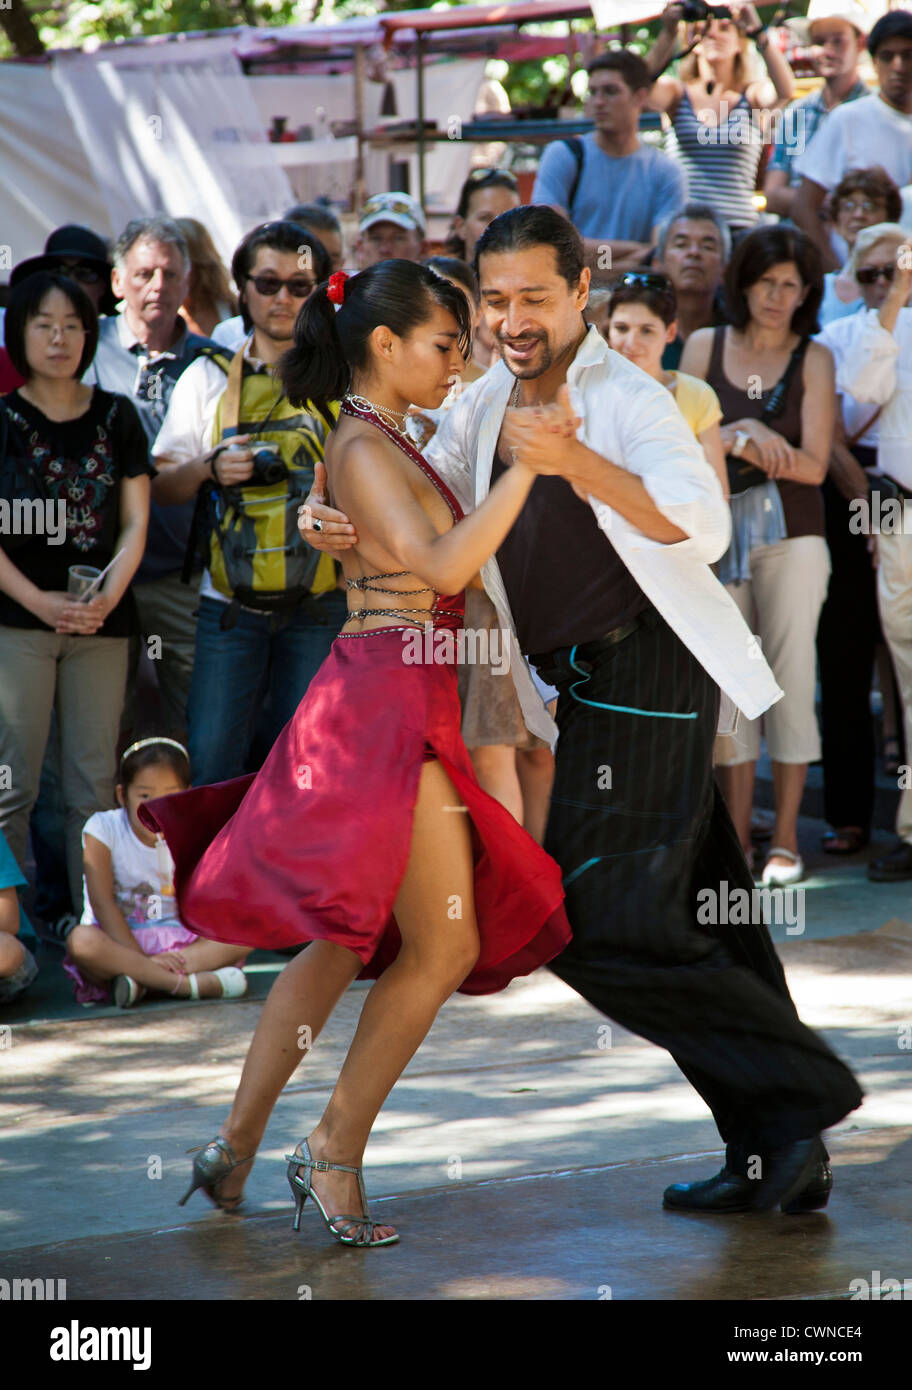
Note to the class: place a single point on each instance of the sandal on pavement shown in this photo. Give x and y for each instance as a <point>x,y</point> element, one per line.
<point>216,1161</point>
<point>780,875</point>
<point>302,1189</point>
<point>231,978</point>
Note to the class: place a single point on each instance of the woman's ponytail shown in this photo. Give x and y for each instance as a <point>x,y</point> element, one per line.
<point>315,369</point>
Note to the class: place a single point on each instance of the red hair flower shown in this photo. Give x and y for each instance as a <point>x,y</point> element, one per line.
<point>336,290</point>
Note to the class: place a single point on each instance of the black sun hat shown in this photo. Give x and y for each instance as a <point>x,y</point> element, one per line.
<point>68,243</point>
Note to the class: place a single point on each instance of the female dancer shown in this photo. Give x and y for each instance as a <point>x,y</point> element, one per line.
<point>347,836</point>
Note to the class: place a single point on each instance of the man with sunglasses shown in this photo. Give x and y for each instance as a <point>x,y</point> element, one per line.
<point>877,129</point>
<point>248,658</point>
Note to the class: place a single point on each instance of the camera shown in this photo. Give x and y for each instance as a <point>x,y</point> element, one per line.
<point>695,11</point>
<point>268,468</point>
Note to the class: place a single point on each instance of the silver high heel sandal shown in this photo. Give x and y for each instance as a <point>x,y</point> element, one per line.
<point>216,1161</point>
<point>302,1189</point>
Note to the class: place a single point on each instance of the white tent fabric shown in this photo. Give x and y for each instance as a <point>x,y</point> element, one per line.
<point>173,127</point>
<point>610,13</point>
<point>44,173</point>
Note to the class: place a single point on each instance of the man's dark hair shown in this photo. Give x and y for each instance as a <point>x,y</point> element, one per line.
<point>25,303</point>
<point>315,216</point>
<point>897,24</point>
<point>278,236</point>
<point>631,67</point>
<point>452,268</point>
<point>755,254</point>
<point>536,225</point>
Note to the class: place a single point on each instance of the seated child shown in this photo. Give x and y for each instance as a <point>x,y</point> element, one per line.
<point>18,967</point>
<point>130,932</point>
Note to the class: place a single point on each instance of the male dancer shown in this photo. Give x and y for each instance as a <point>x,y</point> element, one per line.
<point>605,582</point>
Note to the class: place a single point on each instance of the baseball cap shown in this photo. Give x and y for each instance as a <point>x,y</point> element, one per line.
<point>400,208</point>
<point>861,14</point>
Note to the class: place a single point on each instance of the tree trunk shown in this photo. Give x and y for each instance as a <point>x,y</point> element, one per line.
<point>19,27</point>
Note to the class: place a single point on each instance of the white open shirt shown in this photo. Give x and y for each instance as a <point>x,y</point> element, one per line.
<point>631,420</point>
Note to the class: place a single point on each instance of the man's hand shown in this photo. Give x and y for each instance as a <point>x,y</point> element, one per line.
<point>233,464</point>
<point>336,531</point>
<point>672,15</point>
<point>532,433</point>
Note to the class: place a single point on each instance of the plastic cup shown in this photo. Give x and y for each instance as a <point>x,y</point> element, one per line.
<point>80,578</point>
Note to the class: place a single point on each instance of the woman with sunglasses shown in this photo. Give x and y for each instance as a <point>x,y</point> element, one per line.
<point>640,323</point>
<point>717,114</point>
<point>873,350</point>
<point>776,389</point>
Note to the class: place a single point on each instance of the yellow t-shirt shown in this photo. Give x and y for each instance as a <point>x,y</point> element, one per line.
<point>697,401</point>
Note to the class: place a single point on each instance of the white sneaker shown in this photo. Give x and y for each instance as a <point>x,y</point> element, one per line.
<point>781,875</point>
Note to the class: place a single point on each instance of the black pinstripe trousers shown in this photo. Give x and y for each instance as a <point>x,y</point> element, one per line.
<point>640,832</point>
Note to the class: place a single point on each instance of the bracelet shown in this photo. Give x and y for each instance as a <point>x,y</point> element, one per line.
<point>755,33</point>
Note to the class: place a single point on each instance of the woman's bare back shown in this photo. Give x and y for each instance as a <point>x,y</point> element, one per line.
<point>370,557</point>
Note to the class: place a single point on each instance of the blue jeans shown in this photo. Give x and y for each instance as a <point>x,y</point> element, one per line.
<point>250,679</point>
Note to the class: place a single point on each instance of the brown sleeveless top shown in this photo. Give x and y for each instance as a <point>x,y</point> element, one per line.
<point>802,503</point>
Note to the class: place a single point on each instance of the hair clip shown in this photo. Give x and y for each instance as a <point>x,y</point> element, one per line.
<point>335,292</point>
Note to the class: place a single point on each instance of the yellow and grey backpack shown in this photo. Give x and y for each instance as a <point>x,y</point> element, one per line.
<point>248,534</point>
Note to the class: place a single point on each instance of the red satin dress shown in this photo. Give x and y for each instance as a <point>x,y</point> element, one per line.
<point>314,846</point>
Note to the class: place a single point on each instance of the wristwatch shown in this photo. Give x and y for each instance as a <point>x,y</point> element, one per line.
<point>742,439</point>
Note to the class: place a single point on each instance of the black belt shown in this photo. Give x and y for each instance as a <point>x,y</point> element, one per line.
<point>587,649</point>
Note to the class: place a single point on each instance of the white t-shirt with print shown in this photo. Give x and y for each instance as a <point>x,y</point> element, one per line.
<point>143,874</point>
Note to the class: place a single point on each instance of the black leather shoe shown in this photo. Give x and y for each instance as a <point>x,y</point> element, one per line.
<point>730,1191</point>
<point>786,1172</point>
<point>726,1192</point>
<point>893,867</point>
<point>815,1195</point>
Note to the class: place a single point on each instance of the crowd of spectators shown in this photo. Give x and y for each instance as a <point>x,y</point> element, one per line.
<point>758,267</point>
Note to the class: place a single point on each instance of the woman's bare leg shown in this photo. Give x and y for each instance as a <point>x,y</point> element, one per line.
<point>495,768</point>
<point>299,1003</point>
<point>435,911</point>
<point>535,769</point>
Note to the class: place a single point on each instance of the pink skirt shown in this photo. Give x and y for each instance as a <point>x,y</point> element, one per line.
<point>161,936</point>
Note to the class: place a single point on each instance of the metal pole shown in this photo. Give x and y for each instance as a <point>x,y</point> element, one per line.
<point>420,77</point>
<point>359,127</point>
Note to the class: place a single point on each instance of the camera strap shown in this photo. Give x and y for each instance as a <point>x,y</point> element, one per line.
<point>231,405</point>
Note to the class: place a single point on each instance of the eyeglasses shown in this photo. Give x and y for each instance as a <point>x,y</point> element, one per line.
<point>83,274</point>
<point>481,176</point>
<point>66,330</point>
<point>648,279</point>
<point>863,205</point>
<point>299,286</point>
<point>870,274</point>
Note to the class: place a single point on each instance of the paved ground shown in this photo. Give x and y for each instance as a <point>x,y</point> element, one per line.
<point>523,1154</point>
